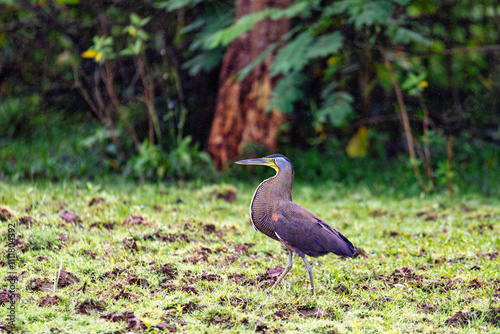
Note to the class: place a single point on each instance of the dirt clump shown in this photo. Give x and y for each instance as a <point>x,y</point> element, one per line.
<point>135,280</point>
<point>168,270</point>
<point>39,284</point>
<point>271,275</point>
<point>190,289</point>
<point>66,279</point>
<point>69,216</point>
<point>133,322</point>
<point>104,225</point>
<point>210,277</point>
<point>89,306</point>
<point>96,201</point>
<point>6,213</point>
<point>316,312</point>
<point>135,220</point>
<point>27,221</point>
<point>6,296</point>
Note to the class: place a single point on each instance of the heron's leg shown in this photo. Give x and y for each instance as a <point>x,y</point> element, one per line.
<point>309,269</point>
<point>287,269</point>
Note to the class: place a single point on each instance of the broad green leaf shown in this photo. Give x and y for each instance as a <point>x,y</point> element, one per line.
<point>135,19</point>
<point>205,61</point>
<point>325,45</point>
<point>336,108</point>
<point>286,92</point>
<point>247,69</point>
<point>172,5</point>
<point>405,36</point>
<point>293,56</point>
<point>225,36</point>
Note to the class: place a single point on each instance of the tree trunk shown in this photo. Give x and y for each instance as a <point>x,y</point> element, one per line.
<point>240,115</point>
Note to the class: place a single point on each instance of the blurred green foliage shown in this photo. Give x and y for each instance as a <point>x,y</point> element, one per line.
<point>130,87</point>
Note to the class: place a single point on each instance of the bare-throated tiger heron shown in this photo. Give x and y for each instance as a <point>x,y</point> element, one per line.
<point>300,231</point>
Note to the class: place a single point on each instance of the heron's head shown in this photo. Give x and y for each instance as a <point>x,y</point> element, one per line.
<point>276,161</point>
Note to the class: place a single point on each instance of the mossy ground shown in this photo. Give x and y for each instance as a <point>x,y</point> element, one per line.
<point>185,258</point>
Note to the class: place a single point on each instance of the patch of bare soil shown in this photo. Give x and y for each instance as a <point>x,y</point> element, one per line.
<point>405,274</point>
<point>210,277</point>
<point>209,228</point>
<point>341,290</point>
<point>170,237</point>
<point>89,306</point>
<point>380,213</point>
<point>360,252</point>
<point>168,270</point>
<point>96,201</point>
<point>282,314</point>
<point>104,225</point>
<point>165,327</point>
<point>6,296</point>
<point>190,289</point>
<point>63,237</point>
<point>199,256</point>
<point>66,279</point>
<point>21,245</point>
<point>188,307</point>
<point>131,245</point>
<point>228,196</point>
<point>27,221</point>
<point>91,254</point>
<point>69,216</point>
<point>429,215</point>
<point>135,280</point>
<point>6,213</point>
<point>49,301</point>
<point>5,328</point>
<point>271,276</point>
<point>113,274</point>
<point>426,308</point>
<point>172,318</point>
<point>135,220</point>
<point>126,295</point>
<point>240,279</point>
<point>242,248</point>
<point>133,322</point>
<point>39,284</point>
<point>460,318</point>
<point>317,312</point>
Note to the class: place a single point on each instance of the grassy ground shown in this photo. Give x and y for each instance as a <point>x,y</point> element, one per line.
<point>184,258</point>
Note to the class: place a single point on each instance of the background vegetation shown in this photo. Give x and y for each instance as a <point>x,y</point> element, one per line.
<point>130,87</point>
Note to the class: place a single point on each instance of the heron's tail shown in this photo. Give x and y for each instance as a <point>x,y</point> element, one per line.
<point>348,249</point>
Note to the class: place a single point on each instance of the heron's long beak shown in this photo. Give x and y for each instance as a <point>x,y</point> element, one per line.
<point>258,161</point>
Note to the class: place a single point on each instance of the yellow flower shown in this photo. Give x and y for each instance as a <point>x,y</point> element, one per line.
<point>89,54</point>
<point>332,60</point>
<point>132,31</point>
<point>98,56</point>
<point>92,54</point>
<point>424,84</point>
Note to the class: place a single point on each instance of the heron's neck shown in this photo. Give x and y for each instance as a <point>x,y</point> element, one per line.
<point>279,186</point>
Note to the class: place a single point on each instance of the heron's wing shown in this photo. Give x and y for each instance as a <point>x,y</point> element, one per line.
<point>304,231</point>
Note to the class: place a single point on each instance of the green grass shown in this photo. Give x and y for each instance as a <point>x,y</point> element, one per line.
<point>450,248</point>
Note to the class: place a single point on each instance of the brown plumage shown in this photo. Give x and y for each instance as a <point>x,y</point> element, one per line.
<point>299,230</point>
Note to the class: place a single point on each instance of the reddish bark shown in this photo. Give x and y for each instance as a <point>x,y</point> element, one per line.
<point>240,110</point>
